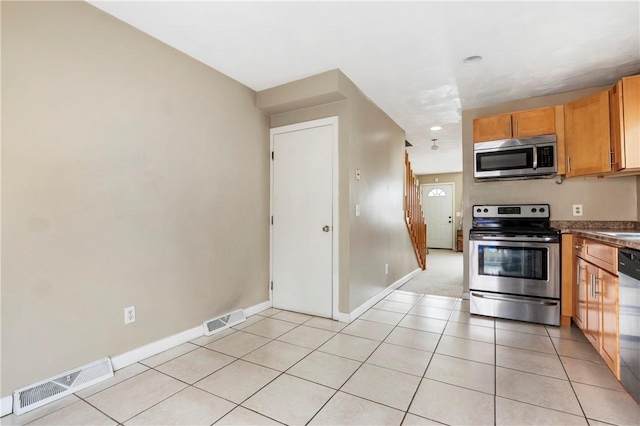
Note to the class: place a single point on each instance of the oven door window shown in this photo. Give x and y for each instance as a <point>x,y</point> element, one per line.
<point>512,159</point>
<point>513,262</point>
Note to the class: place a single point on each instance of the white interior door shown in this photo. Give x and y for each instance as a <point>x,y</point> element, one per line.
<point>302,231</point>
<point>437,205</point>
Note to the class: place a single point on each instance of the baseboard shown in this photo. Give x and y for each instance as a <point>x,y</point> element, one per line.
<point>465,296</point>
<point>154,348</point>
<point>342,317</point>
<point>6,405</point>
<point>378,297</point>
<point>252,310</point>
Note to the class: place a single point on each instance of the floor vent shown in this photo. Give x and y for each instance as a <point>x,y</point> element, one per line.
<point>223,322</point>
<point>46,391</point>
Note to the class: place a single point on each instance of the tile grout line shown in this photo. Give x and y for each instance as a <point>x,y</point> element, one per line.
<point>281,372</point>
<point>570,382</point>
<point>312,350</point>
<point>213,372</point>
<point>362,362</point>
<point>428,364</point>
<point>192,385</point>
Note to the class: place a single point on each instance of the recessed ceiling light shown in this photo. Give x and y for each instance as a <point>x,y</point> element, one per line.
<point>436,128</point>
<point>472,59</point>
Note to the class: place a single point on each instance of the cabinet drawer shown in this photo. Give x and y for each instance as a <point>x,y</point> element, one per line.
<point>578,246</point>
<point>602,255</point>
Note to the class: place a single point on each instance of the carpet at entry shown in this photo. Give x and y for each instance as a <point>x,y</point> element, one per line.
<point>443,276</point>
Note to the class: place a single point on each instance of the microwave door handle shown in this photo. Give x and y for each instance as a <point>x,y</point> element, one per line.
<point>535,157</point>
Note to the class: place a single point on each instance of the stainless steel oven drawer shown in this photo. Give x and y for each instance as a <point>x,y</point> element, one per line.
<point>530,309</point>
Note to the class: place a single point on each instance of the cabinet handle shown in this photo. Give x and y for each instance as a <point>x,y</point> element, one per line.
<point>508,123</point>
<point>515,132</point>
<point>596,281</point>
<point>578,274</point>
<point>568,164</point>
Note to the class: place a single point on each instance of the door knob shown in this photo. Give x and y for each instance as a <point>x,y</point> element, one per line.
<point>326,228</point>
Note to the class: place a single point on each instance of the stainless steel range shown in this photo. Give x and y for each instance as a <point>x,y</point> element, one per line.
<point>514,263</point>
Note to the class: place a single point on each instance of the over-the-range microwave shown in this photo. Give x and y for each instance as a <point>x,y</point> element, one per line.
<point>533,157</point>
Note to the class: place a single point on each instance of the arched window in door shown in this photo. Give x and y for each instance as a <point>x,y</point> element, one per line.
<point>436,192</point>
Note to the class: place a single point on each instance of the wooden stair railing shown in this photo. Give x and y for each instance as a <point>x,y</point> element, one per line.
<point>413,214</point>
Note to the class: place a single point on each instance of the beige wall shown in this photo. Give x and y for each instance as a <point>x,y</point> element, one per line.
<point>456,178</point>
<point>602,199</point>
<point>379,235</point>
<point>372,142</point>
<point>131,175</point>
<point>638,197</point>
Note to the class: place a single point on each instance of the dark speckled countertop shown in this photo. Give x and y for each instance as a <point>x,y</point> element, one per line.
<point>595,229</point>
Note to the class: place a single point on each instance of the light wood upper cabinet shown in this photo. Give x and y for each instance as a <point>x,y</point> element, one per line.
<point>534,122</point>
<point>587,135</point>
<point>624,100</point>
<point>492,128</point>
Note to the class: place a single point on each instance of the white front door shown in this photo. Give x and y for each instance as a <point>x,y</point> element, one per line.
<point>302,231</point>
<point>437,205</point>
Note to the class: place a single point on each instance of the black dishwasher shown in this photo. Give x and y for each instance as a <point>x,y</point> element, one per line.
<point>629,302</point>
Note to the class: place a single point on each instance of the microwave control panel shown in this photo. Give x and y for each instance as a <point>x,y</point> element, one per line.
<point>545,156</point>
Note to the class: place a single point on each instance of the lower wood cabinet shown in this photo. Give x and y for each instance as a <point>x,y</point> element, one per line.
<point>594,306</point>
<point>610,350</point>
<point>595,298</point>
<point>580,309</point>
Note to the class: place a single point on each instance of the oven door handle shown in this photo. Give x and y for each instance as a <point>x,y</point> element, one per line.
<point>535,157</point>
<point>516,239</point>
<point>514,299</point>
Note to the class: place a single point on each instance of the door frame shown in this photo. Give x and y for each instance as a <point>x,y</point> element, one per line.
<point>335,270</point>
<point>453,208</point>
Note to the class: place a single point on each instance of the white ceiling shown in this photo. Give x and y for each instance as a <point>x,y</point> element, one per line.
<point>406,56</point>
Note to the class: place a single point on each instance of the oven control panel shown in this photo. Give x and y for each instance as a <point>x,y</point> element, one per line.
<point>522,211</point>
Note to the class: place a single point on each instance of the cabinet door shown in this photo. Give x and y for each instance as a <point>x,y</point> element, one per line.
<point>607,286</point>
<point>534,122</point>
<point>631,110</point>
<point>587,135</point>
<point>492,128</point>
<point>580,312</point>
<point>592,331</point>
<point>617,127</point>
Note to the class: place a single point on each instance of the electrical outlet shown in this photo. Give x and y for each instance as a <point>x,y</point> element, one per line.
<point>129,315</point>
<point>577,209</point>
<point>386,268</point>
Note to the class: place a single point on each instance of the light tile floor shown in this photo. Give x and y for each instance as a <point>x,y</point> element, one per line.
<point>411,360</point>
